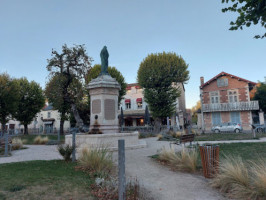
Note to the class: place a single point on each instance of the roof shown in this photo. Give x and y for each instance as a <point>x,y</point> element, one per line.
<point>49,107</point>
<point>223,74</point>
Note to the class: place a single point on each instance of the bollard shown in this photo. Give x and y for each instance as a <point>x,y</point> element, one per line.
<point>6,144</point>
<point>121,170</point>
<point>74,146</point>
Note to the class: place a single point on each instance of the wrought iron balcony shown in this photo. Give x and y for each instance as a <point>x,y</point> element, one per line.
<point>237,106</point>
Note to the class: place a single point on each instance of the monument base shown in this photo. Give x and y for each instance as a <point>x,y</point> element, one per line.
<point>109,141</point>
<point>107,129</point>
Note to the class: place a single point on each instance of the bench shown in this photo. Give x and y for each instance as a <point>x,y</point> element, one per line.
<point>184,139</point>
<point>3,143</point>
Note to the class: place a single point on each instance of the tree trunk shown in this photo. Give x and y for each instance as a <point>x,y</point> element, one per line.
<point>79,121</point>
<point>3,123</point>
<point>157,125</point>
<point>62,121</point>
<point>26,129</point>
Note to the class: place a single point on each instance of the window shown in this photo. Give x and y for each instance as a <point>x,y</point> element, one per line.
<point>235,117</point>
<point>232,96</point>
<point>128,104</point>
<point>222,82</point>
<point>139,102</point>
<point>48,115</point>
<point>216,118</point>
<point>214,97</point>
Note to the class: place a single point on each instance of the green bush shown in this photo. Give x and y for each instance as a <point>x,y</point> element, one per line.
<point>65,151</point>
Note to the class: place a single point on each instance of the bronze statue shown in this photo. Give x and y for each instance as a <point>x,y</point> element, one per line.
<point>104,58</point>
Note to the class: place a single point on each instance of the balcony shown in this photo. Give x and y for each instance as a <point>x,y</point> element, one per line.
<point>237,106</point>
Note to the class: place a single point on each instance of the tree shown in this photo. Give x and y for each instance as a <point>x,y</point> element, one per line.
<point>30,101</point>
<point>260,95</point>
<point>194,112</point>
<point>54,91</point>
<point>158,74</point>
<point>73,64</point>
<point>250,12</point>
<point>8,99</point>
<point>114,73</point>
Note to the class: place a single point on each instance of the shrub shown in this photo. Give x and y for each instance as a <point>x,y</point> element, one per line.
<point>240,180</point>
<point>40,140</point>
<point>65,151</point>
<point>17,143</point>
<point>159,136</point>
<point>186,160</point>
<point>96,160</point>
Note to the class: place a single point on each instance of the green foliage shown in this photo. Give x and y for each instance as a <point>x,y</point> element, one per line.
<point>65,151</point>
<point>260,95</point>
<point>156,74</point>
<point>8,98</point>
<point>114,73</point>
<point>250,12</point>
<point>71,66</point>
<point>30,101</point>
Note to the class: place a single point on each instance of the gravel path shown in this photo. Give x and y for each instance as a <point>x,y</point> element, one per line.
<point>160,181</point>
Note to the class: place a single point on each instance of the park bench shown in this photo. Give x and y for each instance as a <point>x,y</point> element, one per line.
<point>184,139</point>
<point>2,143</point>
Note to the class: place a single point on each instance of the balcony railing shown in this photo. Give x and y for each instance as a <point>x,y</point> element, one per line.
<point>237,106</point>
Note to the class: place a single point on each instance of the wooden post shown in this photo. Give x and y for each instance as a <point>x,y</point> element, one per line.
<point>121,170</point>
<point>74,146</point>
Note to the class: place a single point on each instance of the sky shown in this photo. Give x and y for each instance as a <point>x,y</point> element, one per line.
<point>131,30</point>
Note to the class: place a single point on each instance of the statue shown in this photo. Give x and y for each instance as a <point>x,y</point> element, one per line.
<point>104,58</point>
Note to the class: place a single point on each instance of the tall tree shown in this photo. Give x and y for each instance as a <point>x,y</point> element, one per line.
<point>8,99</point>
<point>73,63</point>
<point>260,95</point>
<point>250,12</point>
<point>31,101</point>
<point>114,73</point>
<point>157,74</point>
<point>54,91</point>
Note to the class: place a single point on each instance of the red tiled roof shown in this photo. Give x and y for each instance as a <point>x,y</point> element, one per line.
<point>224,73</point>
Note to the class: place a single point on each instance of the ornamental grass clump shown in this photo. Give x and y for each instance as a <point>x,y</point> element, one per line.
<point>241,180</point>
<point>17,143</point>
<point>96,160</point>
<point>186,160</point>
<point>40,140</point>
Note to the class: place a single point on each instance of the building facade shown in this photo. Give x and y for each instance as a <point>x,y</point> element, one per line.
<point>46,122</point>
<point>225,98</point>
<point>134,105</point>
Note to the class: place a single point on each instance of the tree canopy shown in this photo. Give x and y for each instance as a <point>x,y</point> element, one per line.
<point>158,74</point>
<point>260,95</point>
<point>72,64</point>
<point>8,98</point>
<point>114,73</point>
<point>250,12</point>
<point>30,101</point>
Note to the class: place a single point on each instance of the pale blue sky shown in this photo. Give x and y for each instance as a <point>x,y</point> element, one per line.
<point>197,30</point>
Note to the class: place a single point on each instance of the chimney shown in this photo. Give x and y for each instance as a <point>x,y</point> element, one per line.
<point>201,80</point>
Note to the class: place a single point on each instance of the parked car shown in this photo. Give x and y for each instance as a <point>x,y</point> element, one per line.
<point>260,128</point>
<point>228,127</point>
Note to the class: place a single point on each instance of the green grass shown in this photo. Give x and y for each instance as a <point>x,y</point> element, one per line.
<point>30,138</point>
<point>228,136</point>
<point>247,151</point>
<point>43,180</point>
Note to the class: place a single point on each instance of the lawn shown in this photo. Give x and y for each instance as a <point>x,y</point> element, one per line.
<point>43,180</point>
<point>30,138</point>
<point>228,136</point>
<point>247,151</point>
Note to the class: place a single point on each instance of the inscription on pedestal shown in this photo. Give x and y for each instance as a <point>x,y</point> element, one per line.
<point>109,109</point>
<point>96,106</point>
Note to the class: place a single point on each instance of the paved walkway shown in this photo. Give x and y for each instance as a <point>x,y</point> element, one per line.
<point>163,183</point>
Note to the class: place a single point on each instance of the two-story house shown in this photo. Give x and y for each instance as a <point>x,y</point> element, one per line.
<point>134,106</point>
<point>225,98</point>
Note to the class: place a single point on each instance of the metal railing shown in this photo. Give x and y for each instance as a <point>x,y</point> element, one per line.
<point>237,106</point>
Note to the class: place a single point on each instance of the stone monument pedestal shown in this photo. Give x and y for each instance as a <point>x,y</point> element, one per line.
<point>104,91</point>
